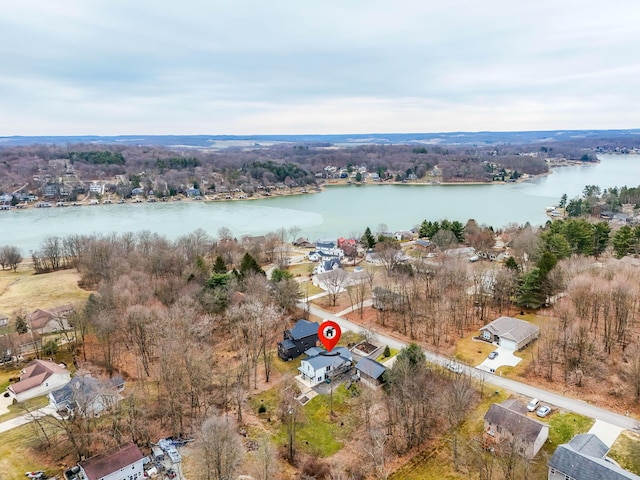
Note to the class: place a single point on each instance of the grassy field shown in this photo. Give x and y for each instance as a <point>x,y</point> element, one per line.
<point>626,451</point>
<point>564,426</point>
<point>18,409</point>
<point>393,352</point>
<point>20,452</point>
<point>317,432</point>
<point>472,352</point>
<point>301,269</point>
<point>23,291</point>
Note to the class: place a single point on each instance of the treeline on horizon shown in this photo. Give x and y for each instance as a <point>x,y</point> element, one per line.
<point>288,163</point>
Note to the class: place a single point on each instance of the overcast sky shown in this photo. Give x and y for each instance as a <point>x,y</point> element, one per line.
<point>79,67</point>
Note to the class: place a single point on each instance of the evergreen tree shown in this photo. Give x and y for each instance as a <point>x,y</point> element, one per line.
<point>511,264</point>
<point>368,240</point>
<point>278,275</point>
<point>530,293</point>
<point>219,266</point>
<point>21,325</point>
<point>249,265</point>
<point>601,233</point>
<point>563,201</point>
<point>623,241</point>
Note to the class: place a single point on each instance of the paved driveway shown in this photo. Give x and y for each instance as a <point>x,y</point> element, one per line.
<point>505,358</point>
<point>606,432</point>
<point>4,403</point>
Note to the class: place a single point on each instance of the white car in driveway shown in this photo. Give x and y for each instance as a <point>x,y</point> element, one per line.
<point>533,404</point>
<point>543,411</point>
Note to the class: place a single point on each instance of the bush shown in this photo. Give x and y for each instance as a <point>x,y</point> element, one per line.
<point>387,352</point>
<point>262,409</point>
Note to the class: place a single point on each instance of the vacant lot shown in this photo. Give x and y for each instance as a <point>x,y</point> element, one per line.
<point>23,292</point>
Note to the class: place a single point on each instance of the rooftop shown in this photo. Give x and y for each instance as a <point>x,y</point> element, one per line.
<point>584,458</point>
<point>36,373</point>
<point>303,328</point>
<point>104,464</point>
<point>511,328</point>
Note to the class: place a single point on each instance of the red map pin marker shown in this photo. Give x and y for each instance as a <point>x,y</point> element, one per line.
<point>329,334</point>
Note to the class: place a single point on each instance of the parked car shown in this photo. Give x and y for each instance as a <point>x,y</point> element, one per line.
<point>38,474</point>
<point>493,355</point>
<point>533,404</point>
<point>543,411</point>
<point>455,368</point>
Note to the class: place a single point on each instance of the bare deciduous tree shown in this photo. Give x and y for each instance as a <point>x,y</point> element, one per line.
<point>218,449</point>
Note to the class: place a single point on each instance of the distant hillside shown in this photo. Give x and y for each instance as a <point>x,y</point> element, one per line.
<point>225,141</point>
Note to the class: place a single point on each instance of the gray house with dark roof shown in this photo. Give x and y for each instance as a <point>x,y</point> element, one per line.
<point>509,332</point>
<point>507,425</point>
<point>298,339</point>
<point>585,458</point>
<point>87,396</point>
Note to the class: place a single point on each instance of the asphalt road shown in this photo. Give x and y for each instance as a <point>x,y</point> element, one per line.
<point>545,396</point>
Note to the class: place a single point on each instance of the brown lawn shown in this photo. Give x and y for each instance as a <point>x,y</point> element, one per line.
<point>23,291</point>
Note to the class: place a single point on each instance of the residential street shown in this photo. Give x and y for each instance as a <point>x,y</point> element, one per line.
<point>556,400</point>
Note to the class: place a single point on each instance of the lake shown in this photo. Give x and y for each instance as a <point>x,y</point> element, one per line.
<point>337,211</point>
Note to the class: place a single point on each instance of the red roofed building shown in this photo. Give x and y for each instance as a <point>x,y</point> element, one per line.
<point>123,463</point>
<point>39,378</point>
<point>50,321</point>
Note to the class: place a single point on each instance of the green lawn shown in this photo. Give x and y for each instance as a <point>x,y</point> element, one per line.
<point>626,451</point>
<point>20,451</point>
<point>317,432</point>
<point>21,408</point>
<point>393,353</point>
<point>564,426</point>
<point>5,374</point>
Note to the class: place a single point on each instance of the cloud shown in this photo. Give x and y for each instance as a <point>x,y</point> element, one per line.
<point>116,67</point>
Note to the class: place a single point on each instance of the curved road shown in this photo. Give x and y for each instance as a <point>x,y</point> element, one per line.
<point>560,401</point>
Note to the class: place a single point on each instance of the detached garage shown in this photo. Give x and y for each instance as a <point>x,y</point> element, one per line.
<point>511,333</point>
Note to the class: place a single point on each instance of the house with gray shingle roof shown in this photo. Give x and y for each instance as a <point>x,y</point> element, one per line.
<point>509,332</point>
<point>507,427</point>
<point>585,458</point>
<point>298,339</point>
<point>86,395</point>
<point>321,365</point>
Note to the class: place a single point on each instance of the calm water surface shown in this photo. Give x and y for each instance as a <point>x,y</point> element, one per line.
<point>338,211</point>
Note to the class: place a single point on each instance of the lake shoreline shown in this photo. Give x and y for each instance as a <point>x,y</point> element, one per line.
<point>87,202</point>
